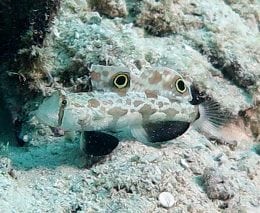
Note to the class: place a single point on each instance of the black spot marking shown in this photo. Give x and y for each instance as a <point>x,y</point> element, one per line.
<point>165,130</point>
<point>98,143</point>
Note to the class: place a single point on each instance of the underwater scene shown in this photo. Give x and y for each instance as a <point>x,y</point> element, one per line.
<point>130,106</point>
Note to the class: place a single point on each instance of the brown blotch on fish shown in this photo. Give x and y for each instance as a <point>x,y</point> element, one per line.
<point>146,111</point>
<point>170,112</point>
<point>93,103</point>
<point>120,92</point>
<point>76,105</point>
<point>107,102</point>
<point>117,111</point>
<point>155,78</point>
<point>137,103</point>
<point>151,93</point>
<point>95,76</point>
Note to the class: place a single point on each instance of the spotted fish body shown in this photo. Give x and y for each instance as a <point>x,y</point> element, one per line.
<point>151,106</point>
<point>110,112</point>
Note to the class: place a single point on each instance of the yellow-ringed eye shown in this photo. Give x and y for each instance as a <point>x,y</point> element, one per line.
<point>180,86</point>
<point>121,81</point>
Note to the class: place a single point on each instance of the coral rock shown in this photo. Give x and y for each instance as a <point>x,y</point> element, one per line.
<point>111,8</point>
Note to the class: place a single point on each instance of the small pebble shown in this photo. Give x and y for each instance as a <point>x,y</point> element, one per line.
<point>26,138</point>
<point>76,35</point>
<point>184,164</point>
<point>166,199</point>
<point>216,185</point>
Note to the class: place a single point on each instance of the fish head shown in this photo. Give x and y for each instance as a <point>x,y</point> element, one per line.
<point>78,113</point>
<point>71,111</point>
<point>48,111</point>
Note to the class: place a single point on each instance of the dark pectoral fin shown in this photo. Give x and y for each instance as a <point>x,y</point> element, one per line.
<point>98,143</point>
<point>165,130</point>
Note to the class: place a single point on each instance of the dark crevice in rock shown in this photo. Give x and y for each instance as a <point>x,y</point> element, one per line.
<point>7,128</point>
<point>230,67</point>
<point>24,23</point>
<point>14,95</point>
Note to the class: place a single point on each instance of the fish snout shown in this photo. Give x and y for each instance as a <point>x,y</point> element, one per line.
<point>197,96</point>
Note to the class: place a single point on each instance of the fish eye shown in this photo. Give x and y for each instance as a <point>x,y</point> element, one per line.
<point>121,81</point>
<point>64,102</point>
<point>180,86</point>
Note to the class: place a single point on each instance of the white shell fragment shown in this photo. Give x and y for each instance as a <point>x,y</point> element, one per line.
<point>26,138</point>
<point>184,164</point>
<point>166,199</point>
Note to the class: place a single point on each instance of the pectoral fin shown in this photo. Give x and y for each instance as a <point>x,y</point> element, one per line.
<point>98,143</point>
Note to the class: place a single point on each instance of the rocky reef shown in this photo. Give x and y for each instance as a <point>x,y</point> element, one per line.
<point>51,45</point>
